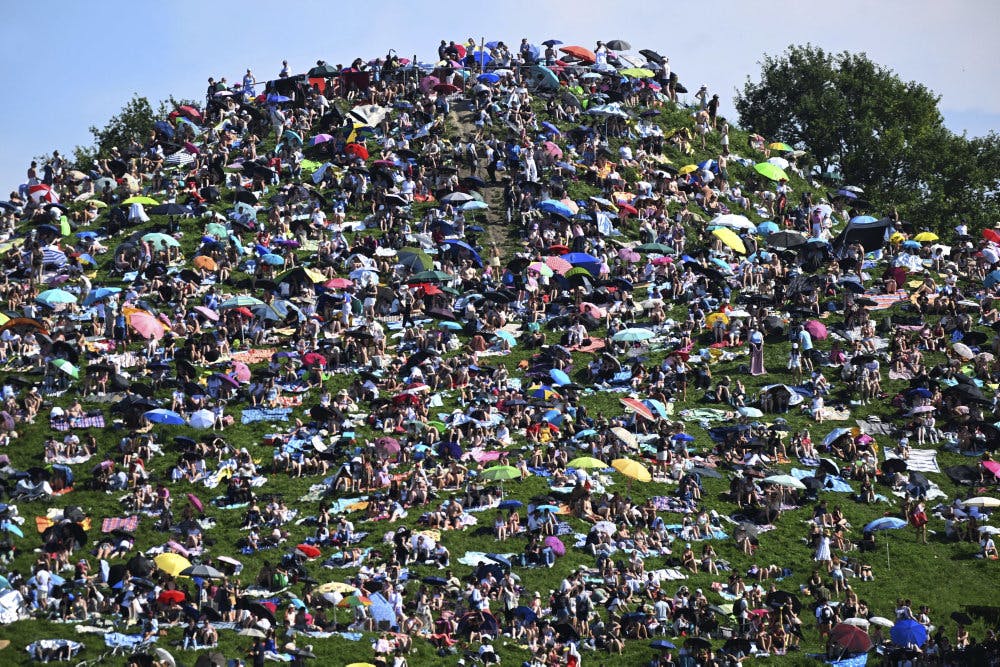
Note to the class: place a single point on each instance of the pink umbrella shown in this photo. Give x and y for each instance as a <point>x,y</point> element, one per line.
<point>816,329</point>
<point>629,255</point>
<point>208,312</point>
<point>313,359</point>
<point>592,310</point>
<point>178,548</point>
<point>146,325</point>
<point>484,456</point>
<point>660,261</point>
<point>338,283</point>
<point>558,264</point>
<point>570,204</point>
<point>993,467</point>
<point>241,371</point>
<point>554,543</point>
<point>388,445</point>
<point>191,148</point>
<point>428,82</point>
<point>552,149</point>
<point>196,502</point>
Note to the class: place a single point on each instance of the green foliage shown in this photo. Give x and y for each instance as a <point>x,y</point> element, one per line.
<point>132,124</point>
<point>879,131</point>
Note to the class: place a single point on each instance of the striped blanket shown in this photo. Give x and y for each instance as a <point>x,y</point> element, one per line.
<point>920,460</point>
<point>67,423</point>
<point>129,524</point>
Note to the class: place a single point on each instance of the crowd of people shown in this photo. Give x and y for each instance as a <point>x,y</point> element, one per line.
<point>347,258</point>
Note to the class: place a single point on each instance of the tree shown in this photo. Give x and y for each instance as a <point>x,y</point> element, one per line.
<point>132,124</point>
<point>880,132</point>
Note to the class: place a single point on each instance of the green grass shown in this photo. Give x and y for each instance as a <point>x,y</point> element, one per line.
<point>942,574</point>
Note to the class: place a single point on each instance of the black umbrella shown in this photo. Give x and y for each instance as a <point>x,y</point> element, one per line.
<point>170,209</point>
<point>245,196</point>
<point>786,239</point>
<point>892,466</point>
<point>566,632</point>
<point>652,56</point>
<point>118,168</point>
<point>256,608</point>
<point>961,618</point>
<point>697,643</point>
<point>140,566</point>
<point>778,599</point>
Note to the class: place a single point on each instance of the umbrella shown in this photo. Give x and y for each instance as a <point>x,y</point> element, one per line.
<point>850,638</point>
<point>880,620</point>
<point>638,407</point>
<point>162,416</point>
<point>963,350</point>
<point>885,523</point>
<point>586,463</point>
<point>908,632</point>
<point>66,367</point>
<point>981,501</point>
<point>857,622</point>
<point>632,335</point>
<point>730,239</point>
<point>556,545</point>
<point>926,237</point>
<point>816,329</point>
<point>662,644</point>
<point>145,324</point>
<point>54,297</point>
<point>501,473</point>
<point>202,419</point>
<point>171,597</point>
<point>158,239</point>
<point>626,437</point>
<point>786,481</point>
<point>771,171</point>
<point>961,618</point>
<point>580,53</point>
<point>632,469</point>
<point>171,563</point>
<point>202,571</point>
<point>618,45</point>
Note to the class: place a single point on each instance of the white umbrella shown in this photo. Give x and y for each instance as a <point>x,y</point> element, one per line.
<point>981,501</point>
<point>604,527</point>
<point>879,620</point>
<point>963,350</point>
<point>857,622</point>
<point>786,481</point>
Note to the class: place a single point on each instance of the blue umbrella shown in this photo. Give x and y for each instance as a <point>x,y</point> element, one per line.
<point>559,377</point>
<point>272,259</point>
<point>492,45</point>
<point>661,643</point>
<point>992,279</point>
<point>571,169</point>
<point>488,77</point>
<point>885,523</point>
<point>277,99</point>
<point>907,632</point>
<point>474,205</point>
<point>554,417</point>
<point>552,42</point>
<point>54,297</point>
<point>164,127</point>
<point>454,326</point>
<point>525,614</point>
<point>846,193</point>
<point>456,243</point>
<point>510,505</point>
<point>585,433</point>
<point>482,58</point>
<point>86,235</point>
<point>911,245</point>
<point>584,260</point>
<point>161,416</point>
<point>99,294</point>
<point>550,128</point>
<point>863,219</point>
<point>553,206</point>
<point>920,391</point>
<point>767,227</point>
<point>683,437</point>
<point>507,336</point>
<point>656,406</point>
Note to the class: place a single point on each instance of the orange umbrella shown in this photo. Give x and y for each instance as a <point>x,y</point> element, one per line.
<point>580,52</point>
<point>205,262</point>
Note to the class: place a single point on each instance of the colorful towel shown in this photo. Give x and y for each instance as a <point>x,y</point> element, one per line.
<point>66,423</point>
<point>129,524</point>
<point>253,356</point>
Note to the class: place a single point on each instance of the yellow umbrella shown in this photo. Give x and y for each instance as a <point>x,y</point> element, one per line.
<point>361,664</point>
<point>710,320</point>
<point>687,169</point>
<point>335,587</point>
<point>730,239</point>
<point>96,203</point>
<point>315,276</point>
<point>897,237</point>
<point>926,237</point>
<point>172,564</point>
<point>632,469</point>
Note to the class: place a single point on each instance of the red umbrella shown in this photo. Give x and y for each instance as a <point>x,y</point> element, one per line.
<point>461,51</point>
<point>816,329</point>
<point>638,407</point>
<point>558,249</point>
<point>991,235</point>
<point>171,597</point>
<point>428,289</point>
<point>308,550</point>
<point>624,207</point>
<point>658,261</point>
<point>196,502</point>
<point>850,638</point>
<point>243,310</point>
<point>357,150</point>
<point>190,112</point>
<point>446,88</point>
<point>191,148</point>
<point>586,55</point>
<point>313,359</point>
<point>338,283</point>
<point>554,543</point>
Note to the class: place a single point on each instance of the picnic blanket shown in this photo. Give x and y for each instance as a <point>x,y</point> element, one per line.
<point>251,415</point>
<point>120,640</point>
<point>833,414</point>
<point>830,482</point>
<point>129,524</point>
<point>67,423</point>
<point>874,427</point>
<point>253,356</point>
<point>920,460</point>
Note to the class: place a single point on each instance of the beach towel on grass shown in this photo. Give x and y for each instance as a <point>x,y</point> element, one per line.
<point>251,415</point>
<point>119,640</point>
<point>129,524</point>
<point>920,460</point>
<point>874,427</point>
<point>66,423</point>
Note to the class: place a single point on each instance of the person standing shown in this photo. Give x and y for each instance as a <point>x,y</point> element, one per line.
<point>757,353</point>
<point>248,84</point>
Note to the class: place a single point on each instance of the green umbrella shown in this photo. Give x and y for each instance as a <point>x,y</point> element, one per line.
<point>637,72</point>
<point>149,201</point>
<point>215,229</point>
<point>771,171</point>
<point>238,301</point>
<point>501,473</point>
<point>579,271</point>
<point>417,256</point>
<point>586,462</point>
<point>162,240</point>
<point>66,367</point>
<point>633,335</point>
<point>780,146</point>
<point>656,247</point>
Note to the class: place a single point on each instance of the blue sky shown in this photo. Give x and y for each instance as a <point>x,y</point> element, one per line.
<point>70,65</point>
